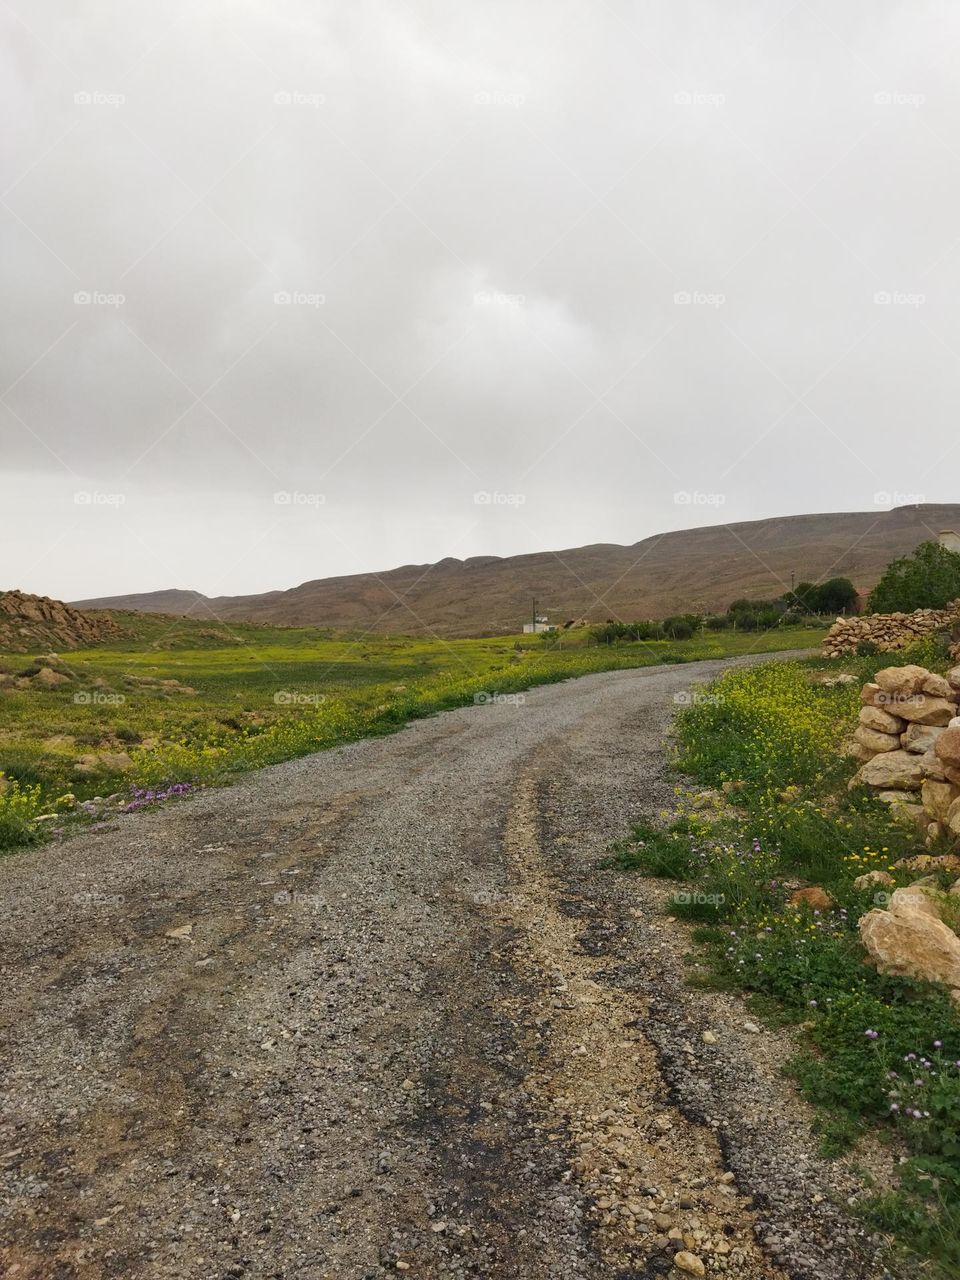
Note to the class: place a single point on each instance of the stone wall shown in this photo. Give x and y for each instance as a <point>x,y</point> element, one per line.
<point>888,631</point>
<point>908,743</point>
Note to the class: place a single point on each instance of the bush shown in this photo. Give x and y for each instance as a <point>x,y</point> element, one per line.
<point>681,626</point>
<point>18,808</point>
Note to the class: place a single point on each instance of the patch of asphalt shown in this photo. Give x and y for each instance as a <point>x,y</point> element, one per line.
<point>302,1027</point>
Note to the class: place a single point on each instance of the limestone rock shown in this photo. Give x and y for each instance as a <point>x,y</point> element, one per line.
<point>875,741</point>
<point>893,771</point>
<point>940,687</point>
<point>947,748</point>
<point>930,863</point>
<point>689,1263</point>
<point>932,767</point>
<point>871,878</point>
<point>909,939</point>
<point>937,798</point>
<point>881,721</point>
<point>952,819</point>
<point>869,693</point>
<point>920,737</point>
<point>903,681</point>
<point>953,678</point>
<point>923,708</point>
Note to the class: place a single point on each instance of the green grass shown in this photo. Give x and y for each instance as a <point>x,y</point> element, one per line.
<point>266,694</point>
<point>877,1053</point>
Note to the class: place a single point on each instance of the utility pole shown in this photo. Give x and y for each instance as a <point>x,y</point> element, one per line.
<point>534,616</point>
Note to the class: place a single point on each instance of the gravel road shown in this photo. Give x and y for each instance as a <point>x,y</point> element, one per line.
<point>379,1011</point>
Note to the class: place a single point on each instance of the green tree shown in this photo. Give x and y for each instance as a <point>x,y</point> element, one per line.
<point>833,596</point>
<point>836,595</point>
<point>927,579</point>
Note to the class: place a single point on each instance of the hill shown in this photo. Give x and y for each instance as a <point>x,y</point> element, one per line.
<point>690,568</point>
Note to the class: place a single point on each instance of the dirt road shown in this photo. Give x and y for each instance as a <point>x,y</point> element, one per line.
<point>378,1012</point>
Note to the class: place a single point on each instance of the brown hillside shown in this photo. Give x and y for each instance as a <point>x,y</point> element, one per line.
<point>691,568</point>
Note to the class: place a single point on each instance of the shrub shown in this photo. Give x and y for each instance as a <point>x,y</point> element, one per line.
<point>18,808</point>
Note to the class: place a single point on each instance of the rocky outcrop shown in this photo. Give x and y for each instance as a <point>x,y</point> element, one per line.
<point>33,622</point>
<point>888,631</point>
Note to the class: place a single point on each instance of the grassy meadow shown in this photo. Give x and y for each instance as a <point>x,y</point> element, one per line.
<point>179,703</point>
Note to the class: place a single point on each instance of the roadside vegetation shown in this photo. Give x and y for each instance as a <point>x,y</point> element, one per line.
<point>877,1054</point>
<point>181,703</point>
<point>804,607</point>
<point>928,578</point>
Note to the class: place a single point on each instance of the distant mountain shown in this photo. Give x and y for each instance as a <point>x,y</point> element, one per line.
<point>672,572</point>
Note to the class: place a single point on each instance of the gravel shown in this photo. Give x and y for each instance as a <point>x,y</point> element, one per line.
<point>378,1011</point>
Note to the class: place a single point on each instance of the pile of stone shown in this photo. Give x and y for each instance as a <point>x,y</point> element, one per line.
<point>908,743</point>
<point>27,622</point>
<point>888,631</point>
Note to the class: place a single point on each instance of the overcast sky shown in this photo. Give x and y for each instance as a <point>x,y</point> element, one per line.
<point>297,288</point>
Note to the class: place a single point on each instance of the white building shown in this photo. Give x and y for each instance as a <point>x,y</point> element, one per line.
<point>950,539</point>
<point>541,624</point>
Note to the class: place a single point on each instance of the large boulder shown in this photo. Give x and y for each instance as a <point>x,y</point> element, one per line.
<point>924,708</point>
<point>909,939</point>
<point>893,771</point>
<point>881,721</point>
<point>953,678</point>
<point>875,741</point>
<point>902,681</point>
<point>952,819</point>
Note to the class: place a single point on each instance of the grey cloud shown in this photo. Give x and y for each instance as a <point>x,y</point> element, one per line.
<point>502,206</point>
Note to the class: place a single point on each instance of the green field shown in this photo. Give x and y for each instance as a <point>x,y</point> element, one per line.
<point>246,696</point>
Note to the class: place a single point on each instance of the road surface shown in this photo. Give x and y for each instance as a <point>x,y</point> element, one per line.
<point>379,1011</point>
